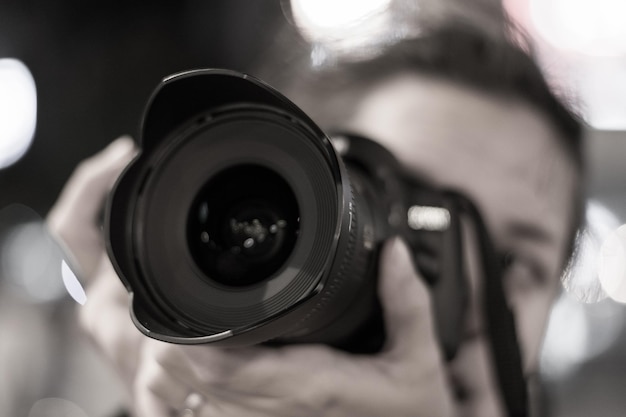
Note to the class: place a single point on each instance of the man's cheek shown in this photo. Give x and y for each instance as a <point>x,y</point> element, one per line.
<point>531,316</point>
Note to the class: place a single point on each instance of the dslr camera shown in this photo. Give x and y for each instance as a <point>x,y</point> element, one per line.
<point>241,222</point>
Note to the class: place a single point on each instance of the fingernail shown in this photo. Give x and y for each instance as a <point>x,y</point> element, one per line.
<point>120,147</point>
<point>124,142</point>
<point>398,247</point>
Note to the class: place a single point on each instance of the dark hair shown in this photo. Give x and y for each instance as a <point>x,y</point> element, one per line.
<point>499,63</point>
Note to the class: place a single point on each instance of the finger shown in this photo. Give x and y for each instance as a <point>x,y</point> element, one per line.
<point>105,318</point>
<point>406,303</point>
<point>157,391</point>
<point>149,404</point>
<point>81,198</point>
<point>412,348</point>
<point>93,178</point>
<point>198,366</point>
<point>177,381</point>
<point>470,372</point>
<point>243,374</point>
<point>260,381</point>
<point>74,218</point>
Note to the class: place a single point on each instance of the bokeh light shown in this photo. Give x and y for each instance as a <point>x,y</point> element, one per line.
<point>332,15</point>
<point>31,261</point>
<point>581,278</point>
<point>353,28</point>
<point>26,255</point>
<point>566,338</point>
<point>18,110</point>
<point>590,27</point>
<point>613,265</point>
<point>578,332</point>
<point>582,43</point>
<point>601,82</point>
<point>586,322</point>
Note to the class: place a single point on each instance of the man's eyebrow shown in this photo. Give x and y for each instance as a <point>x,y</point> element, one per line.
<point>529,231</point>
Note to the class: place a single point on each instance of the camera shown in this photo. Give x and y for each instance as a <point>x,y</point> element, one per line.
<point>241,222</point>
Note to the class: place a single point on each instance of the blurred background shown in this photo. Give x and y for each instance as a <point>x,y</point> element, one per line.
<point>74,75</point>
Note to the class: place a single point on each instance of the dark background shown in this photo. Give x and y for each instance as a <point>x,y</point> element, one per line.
<point>95,64</point>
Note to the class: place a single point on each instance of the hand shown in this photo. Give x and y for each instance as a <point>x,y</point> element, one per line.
<point>408,378</point>
<point>74,221</point>
<point>75,217</point>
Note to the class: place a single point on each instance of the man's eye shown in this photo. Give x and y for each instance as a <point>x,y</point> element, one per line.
<point>506,259</point>
<point>519,273</point>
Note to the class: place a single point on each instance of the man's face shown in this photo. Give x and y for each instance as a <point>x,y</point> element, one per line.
<point>508,159</point>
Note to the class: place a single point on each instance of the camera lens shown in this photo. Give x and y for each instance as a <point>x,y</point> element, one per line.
<point>243,225</point>
<point>238,222</point>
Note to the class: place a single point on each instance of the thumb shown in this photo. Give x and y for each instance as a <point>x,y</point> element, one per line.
<point>406,303</point>
<point>82,197</point>
<point>73,220</point>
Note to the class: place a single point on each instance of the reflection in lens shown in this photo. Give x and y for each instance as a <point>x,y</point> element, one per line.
<point>243,225</point>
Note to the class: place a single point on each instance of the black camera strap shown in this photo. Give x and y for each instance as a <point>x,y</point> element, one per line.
<point>441,255</point>
<point>499,320</point>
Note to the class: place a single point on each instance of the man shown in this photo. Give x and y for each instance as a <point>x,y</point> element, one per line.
<point>458,108</point>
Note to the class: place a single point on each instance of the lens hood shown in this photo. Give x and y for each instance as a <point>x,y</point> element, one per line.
<point>203,191</point>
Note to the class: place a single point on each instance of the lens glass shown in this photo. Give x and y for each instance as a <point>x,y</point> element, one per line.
<point>243,225</point>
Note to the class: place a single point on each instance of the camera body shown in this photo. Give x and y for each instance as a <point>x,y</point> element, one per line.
<point>241,222</point>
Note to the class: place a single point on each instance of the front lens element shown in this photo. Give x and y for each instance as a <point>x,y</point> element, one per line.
<point>243,225</point>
